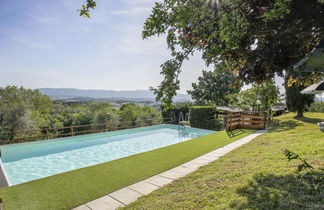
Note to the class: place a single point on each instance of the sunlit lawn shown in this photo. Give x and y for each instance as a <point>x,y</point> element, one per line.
<point>255,176</point>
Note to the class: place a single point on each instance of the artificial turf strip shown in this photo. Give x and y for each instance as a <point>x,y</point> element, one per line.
<point>255,176</point>
<point>71,189</point>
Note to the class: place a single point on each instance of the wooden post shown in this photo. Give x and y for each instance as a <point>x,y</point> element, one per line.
<point>46,134</point>
<point>1,203</point>
<point>72,132</point>
<point>229,122</point>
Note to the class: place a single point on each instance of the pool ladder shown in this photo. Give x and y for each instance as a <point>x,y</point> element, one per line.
<point>181,127</point>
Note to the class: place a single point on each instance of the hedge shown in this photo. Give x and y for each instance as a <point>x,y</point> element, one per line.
<point>317,107</point>
<point>204,117</point>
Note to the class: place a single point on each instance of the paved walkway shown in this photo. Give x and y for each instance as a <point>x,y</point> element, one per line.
<point>131,193</point>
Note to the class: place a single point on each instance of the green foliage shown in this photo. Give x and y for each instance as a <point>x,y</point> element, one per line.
<point>254,39</point>
<point>23,109</point>
<point>267,93</point>
<point>85,9</point>
<point>297,102</point>
<point>133,115</point>
<point>204,117</point>
<point>311,176</point>
<point>213,87</point>
<point>317,107</point>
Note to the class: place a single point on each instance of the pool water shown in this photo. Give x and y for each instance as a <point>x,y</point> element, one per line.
<point>30,161</point>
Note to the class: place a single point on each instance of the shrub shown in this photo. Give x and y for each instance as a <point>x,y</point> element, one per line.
<point>205,117</point>
<point>316,107</point>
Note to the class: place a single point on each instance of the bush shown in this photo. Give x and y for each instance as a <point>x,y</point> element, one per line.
<point>316,107</point>
<point>205,117</point>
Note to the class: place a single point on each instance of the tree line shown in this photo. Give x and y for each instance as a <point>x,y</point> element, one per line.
<point>24,109</point>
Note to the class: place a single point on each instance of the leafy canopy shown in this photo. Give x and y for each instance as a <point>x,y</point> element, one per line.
<point>254,39</point>
<point>297,102</point>
<point>85,9</point>
<point>213,87</point>
<point>266,93</point>
<point>23,109</point>
<point>29,110</point>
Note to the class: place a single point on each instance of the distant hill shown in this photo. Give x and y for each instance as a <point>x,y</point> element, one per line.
<point>105,95</point>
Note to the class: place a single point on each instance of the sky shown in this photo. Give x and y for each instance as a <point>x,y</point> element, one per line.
<point>47,44</point>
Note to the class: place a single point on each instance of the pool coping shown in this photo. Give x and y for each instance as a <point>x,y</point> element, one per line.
<point>131,193</point>
<point>4,180</point>
<point>90,134</point>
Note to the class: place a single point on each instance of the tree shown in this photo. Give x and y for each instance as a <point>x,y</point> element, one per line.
<point>129,113</point>
<point>267,93</point>
<point>213,87</point>
<point>149,116</point>
<point>297,102</point>
<point>138,115</point>
<point>254,39</point>
<point>23,109</point>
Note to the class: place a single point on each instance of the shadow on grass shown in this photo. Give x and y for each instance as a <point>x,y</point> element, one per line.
<point>278,192</point>
<point>309,120</point>
<point>234,133</point>
<point>278,125</point>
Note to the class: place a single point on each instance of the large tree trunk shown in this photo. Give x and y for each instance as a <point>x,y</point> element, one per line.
<point>300,113</point>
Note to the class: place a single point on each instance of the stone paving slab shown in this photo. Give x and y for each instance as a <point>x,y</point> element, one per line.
<point>211,156</point>
<point>104,203</point>
<point>125,195</point>
<point>158,180</point>
<point>143,187</point>
<point>200,161</point>
<point>183,170</point>
<point>191,165</point>
<point>206,157</point>
<point>172,174</point>
<point>82,207</point>
<point>131,193</point>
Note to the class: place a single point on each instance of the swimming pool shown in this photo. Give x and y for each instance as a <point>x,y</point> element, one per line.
<point>30,161</point>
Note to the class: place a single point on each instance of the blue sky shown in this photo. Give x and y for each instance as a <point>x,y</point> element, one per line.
<point>47,44</point>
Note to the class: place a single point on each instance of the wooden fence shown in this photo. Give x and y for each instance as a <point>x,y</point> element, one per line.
<point>48,133</point>
<point>246,119</point>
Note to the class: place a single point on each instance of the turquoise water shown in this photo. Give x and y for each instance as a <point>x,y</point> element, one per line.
<point>30,161</point>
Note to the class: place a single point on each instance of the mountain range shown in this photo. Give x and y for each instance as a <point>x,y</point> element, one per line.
<point>79,94</point>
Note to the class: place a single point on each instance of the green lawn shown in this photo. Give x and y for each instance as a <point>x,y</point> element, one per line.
<point>74,188</point>
<point>254,176</point>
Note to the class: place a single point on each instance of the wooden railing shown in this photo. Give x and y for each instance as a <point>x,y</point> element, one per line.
<point>247,119</point>
<point>48,133</point>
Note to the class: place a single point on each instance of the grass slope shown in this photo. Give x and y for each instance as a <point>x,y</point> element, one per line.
<point>254,176</point>
<point>74,188</point>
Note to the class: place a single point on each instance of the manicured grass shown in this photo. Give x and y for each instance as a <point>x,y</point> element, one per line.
<point>254,176</point>
<point>74,188</point>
